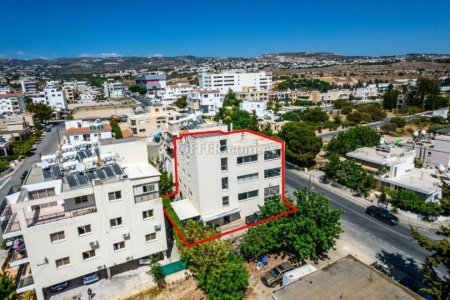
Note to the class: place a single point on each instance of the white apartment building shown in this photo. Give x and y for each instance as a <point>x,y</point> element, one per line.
<point>397,171</point>
<point>173,92</point>
<point>52,96</point>
<point>206,102</point>
<point>365,93</point>
<point>80,86</point>
<point>432,152</point>
<point>226,176</point>
<point>11,103</point>
<point>79,131</point>
<point>5,90</point>
<point>29,86</point>
<point>236,81</point>
<point>113,89</point>
<point>257,106</point>
<point>173,129</point>
<point>149,123</point>
<point>97,213</point>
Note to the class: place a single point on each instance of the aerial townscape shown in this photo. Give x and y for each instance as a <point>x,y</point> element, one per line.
<point>274,151</point>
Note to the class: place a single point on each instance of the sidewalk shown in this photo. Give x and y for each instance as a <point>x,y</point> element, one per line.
<point>348,194</point>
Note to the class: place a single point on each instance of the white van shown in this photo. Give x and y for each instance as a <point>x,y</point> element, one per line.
<point>297,274</point>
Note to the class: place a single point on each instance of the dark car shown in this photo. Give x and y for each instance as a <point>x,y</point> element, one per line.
<point>253,218</point>
<point>382,214</point>
<point>59,287</point>
<point>275,275</point>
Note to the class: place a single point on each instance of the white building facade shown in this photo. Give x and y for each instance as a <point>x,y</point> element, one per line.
<point>259,107</point>
<point>98,218</point>
<point>225,177</point>
<point>236,81</point>
<point>206,102</point>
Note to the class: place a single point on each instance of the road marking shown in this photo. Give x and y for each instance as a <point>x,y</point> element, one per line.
<point>6,181</point>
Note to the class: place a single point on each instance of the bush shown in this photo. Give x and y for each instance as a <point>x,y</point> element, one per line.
<point>354,138</point>
<point>398,121</point>
<point>346,110</point>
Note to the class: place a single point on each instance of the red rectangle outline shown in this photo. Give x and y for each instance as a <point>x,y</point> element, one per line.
<point>292,210</point>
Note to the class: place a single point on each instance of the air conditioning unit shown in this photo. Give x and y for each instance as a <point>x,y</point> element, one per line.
<point>100,267</point>
<point>158,227</point>
<point>97,181</point>
<point>126,236</point>
<point>93,244</point>
<point>129,258</point>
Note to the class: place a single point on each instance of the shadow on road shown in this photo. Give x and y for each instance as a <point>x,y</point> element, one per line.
<point>404,270</point>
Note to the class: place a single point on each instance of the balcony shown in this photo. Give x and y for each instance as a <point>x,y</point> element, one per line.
<point>17,254</point>
<point>11,226</point>
<point>38,219</point>
<point>146,197</point>
<point>24,279</point>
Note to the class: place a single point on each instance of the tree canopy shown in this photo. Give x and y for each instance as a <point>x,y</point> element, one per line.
<point>138,89</point>
<point>390,99</point>
<point>219,272</point>
<point>438,286</point>
<point>43,111</point>
<point>304,84</point>
<point>302,145</point>
<point>7,286</point>
<point>307,233</point>
<point>354,138</point>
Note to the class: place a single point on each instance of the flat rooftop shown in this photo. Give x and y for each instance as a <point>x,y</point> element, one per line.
<point>347,278</point>
<point>371,154</point>
<point>419,180</point>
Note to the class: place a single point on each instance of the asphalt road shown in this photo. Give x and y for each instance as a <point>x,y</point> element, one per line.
<point>392,245</point>
<point>47,145</point>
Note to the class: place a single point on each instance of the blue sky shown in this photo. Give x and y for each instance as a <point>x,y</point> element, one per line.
<point>50,29</point>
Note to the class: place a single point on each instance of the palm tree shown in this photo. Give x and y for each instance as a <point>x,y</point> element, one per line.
<point>7,286</point>
<point>156,273</point>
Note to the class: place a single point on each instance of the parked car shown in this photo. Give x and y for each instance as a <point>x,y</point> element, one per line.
<point>382,214</point>
<point>253,218</point>
<point>275,275</point>
<point>48,128</point>
<point>90,278</point>
<point>59,287</point>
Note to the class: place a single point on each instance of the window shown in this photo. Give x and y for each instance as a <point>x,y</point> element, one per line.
<point>42,193</point>
<point>248,195</point>
<point>225,201</point>
<point>247,159</point>
<point>57,236</point>
<point>150,237</point>
<point>224,183</point>
<point>88,254</point>
<point>82,230</point>
<point>147,214</point>
<point>246,178</point>
<point>142,130</point>
<point>116,222</point>
<point>272,154</point>
<point>275,172</point>
<point>271,191</point>
<point>115,195</point>
<point>223,145</point>
<point>62,262</point>
<point>118,246</point>
<point>81,199</point>
<point>224,164</point>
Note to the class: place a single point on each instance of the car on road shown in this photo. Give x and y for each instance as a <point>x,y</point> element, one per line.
<point>382,214</point>
<point>275,275</point>
<point>90,278</point>
<point>48,128</point>
<point>59,287</point>
<point>253,218</point>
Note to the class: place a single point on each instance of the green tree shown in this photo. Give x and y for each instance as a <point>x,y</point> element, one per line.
<point>437,286</point>
<point>390,99</point>
<point>302,145</point>
<point>341,103</point>
<point>433,102</point>
<point>138,89</point>
<point>181,102</point>
<point>220,274</point>
<point>43,111</point>
<point>267,130</point>
<point>21,148</point>
<point>156,273</point>
<point>242,119</point>
<point>7,286</point>
<point>315,115</point>
<point>398,121</point>
<point>231,99</point>
<point>165,182</point>
<point>307,233</point>
<point>354,138</point>
<point>116,130</point>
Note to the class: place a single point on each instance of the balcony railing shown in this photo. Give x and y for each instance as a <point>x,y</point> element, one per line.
<point>146,197</point>
<point>10,224</point>
<point>60,216</point>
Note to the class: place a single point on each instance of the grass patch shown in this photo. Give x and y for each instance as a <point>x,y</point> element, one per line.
<point>171,212</point>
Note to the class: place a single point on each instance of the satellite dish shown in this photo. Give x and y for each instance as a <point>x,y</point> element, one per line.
<point>416,133</point>
<point>381,141</point>
<point>80,167</point>
<point>441,168</point>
